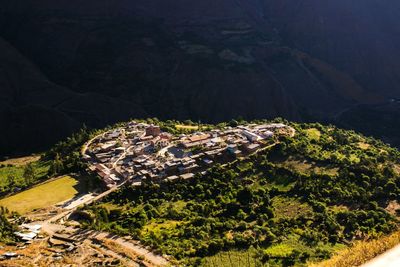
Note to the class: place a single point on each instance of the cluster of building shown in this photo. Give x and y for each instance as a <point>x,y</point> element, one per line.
<point>28,232</point>
<point>141,151</point>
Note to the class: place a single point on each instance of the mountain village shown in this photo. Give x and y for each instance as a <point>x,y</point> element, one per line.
<point>129,155</point>
<point>143,151</point>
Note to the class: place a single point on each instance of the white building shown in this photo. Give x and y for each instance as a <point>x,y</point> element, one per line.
<point>251,136</point>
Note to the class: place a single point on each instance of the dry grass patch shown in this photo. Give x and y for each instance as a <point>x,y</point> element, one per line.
<point>361,252</point>
<point>20,161</point>
<point>396,169</point>
<point>116,247</point>
<point>306,167</point>
<point>129,254</point>
<point>289,207</point>
<point>186,127</point>
<point>393,207</point>
<point>363,146</point>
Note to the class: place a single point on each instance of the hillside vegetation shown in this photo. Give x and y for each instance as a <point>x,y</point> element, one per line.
<point>6,228</point>
<point>18,174</point>
<point>298,202</point>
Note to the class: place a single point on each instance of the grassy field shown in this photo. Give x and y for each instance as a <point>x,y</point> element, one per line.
<point>280,250</point>
<point>285,207</point>
<point>186,127</point>
<point>157,228</point>
<point>233,258</point>
<point>42,196</point>
<point>248,258</point>
<point>307,167</point>
<point>313,133</point>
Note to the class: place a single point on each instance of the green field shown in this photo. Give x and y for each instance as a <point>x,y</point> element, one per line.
<point>233,258</point>
<point>42,196</point>
<point>313,133</point>
<point>285,207</point>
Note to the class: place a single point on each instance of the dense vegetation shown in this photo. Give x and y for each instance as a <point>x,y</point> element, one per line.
<point>297,202</point>
<point>66,155</point>
<point>6,228</point>
<point>14,177</point>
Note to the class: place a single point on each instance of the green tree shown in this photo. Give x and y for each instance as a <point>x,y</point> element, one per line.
<point>11,181</point>
<point>29,174</point>
<point>233,123</point>
<point>56,166</point>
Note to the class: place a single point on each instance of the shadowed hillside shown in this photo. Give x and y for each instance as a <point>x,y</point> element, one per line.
<point>96,62</point>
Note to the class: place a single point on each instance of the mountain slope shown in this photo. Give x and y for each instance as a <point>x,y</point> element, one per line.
<point>36,113</point>
<point>206,60</point>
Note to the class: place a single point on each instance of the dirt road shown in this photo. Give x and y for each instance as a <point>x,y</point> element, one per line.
<point>129,246</point>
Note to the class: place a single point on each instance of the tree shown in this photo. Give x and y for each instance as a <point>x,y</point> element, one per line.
<point>56,166</point>
<point>188,122</point>
<point>245,196</point>
<point>233,123</point>
<point>29,174</point>
<point>11,181</point>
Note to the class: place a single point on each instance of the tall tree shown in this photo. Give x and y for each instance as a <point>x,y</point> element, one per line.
<point>11,181</point>
<point>29,174</point>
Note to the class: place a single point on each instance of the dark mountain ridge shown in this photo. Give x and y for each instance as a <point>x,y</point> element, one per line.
<point>97,62</point>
